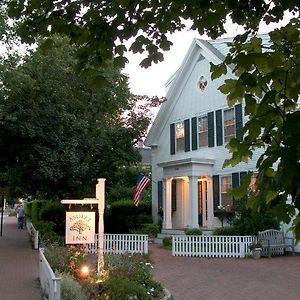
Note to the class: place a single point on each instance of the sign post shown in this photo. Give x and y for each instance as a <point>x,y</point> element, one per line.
<point>3,193</point>
<point>100,201</point>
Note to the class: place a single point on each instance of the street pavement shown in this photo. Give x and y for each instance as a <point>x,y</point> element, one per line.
<point>195,278</point>
<point>18,264</point>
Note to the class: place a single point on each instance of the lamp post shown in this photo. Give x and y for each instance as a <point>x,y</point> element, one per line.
<point>100,194</point>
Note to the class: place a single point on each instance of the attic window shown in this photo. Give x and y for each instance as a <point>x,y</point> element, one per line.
<point>202,83</point>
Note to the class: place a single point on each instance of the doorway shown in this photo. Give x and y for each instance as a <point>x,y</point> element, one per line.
<point>202,201</point>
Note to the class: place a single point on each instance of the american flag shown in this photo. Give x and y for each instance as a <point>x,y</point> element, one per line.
<point>142,183</point>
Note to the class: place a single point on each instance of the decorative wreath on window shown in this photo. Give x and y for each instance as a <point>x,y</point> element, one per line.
<point>202,83</point>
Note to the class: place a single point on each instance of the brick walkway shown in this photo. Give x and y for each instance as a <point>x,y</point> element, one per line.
<point>18,264</point>
<point>194,278</point>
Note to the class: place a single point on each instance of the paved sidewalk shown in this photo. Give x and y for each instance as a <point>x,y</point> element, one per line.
<point>18,264</point>
<point>194,278</point>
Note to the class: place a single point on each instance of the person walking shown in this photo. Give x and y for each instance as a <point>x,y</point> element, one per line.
<point>20,216</point>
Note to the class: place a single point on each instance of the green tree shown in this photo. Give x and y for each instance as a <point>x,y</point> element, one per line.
<point>269,81</point>
<point>57,133</point>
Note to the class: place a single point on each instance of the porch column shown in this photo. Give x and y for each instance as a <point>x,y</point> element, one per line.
<point>193,202</point>
<point>167,222</point>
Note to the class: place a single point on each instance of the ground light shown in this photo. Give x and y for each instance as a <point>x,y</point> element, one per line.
<point>84,271</point>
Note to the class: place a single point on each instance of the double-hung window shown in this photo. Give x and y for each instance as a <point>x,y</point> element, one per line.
<point>229,125</point>
<point>179,133</point>
<point>226,185</point>
<point>203,131</point>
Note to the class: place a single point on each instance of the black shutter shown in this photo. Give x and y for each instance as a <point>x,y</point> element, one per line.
<point>173,195</point>
<point>216,192</point>
<point>238,121</point>
<point>219,127</point>
<point>160,195</point>
<point>194,134</point>
<point>187,146</point>
<point>211,129</point>
<point>172,138</point>
<point>235,183</point>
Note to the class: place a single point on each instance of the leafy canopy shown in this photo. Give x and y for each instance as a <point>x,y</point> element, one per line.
<point>58,134</point>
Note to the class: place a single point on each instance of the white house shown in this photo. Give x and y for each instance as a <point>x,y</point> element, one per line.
<point>188,139</point>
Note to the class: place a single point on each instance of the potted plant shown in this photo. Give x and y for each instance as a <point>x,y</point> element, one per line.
<point>256,248</point>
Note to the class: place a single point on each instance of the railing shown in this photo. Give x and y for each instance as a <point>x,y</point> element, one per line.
<point>49,282</point>
<point>34,234</point>
<point>211,246</point>
<point>120,244</point>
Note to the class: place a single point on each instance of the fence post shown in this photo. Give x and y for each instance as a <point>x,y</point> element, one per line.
<point>242,246</point>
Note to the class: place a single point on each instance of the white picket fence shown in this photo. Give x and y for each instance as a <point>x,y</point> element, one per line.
<point>211,246</point>
<point>34,234</point>
<point>120,244</point>
<point>49,282</point>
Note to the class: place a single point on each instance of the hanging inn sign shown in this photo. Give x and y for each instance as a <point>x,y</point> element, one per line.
<point>80,227</point>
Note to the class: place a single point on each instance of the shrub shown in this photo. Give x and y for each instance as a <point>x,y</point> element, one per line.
<point>121,288</point>
<point>193,231</point>
<point>70,288</point>
<point>36,206</point>
<point>151,229</point>
<point>65,259</point>
<point>249,222</point>
<point>122,216</point>
<point>167,242</point>
<point>225,231</point>
<point>135,268</point>
<point>54,212</point>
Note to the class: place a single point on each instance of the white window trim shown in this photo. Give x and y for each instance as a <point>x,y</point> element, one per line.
<point>198,140</point>
<point>223,124</point>
<point>220,185</point>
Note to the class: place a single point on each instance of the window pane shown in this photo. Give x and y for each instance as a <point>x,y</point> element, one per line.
<point>229,124</point>
<point>180,136</point>
<point>180,145</point>
<point>179,130</point>
<point>225,184</point>
<point>225,187</point>
<point>203,131</point>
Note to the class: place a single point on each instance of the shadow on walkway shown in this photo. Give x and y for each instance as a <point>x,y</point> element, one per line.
<point>18,264</point>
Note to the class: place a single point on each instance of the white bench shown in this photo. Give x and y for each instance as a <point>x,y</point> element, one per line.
<point>274,239</point>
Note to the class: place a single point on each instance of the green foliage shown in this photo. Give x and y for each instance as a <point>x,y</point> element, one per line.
<point>193,231</point>
<point>167,242</point>
<point>225,231</point>
<point>122,216</point>
<point>65,259</point>
<point>267,77</point>
<point>70,288</point>
<point>36,206</point>
<point>121,288</point>
<point>55,213</point>
<point>147,24</point>
<point>249,222</point>
<point>151,229</point>
<point>57,133</point>
<point>138,274</point>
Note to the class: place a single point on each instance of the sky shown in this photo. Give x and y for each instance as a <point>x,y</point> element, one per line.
<point>151,81</point>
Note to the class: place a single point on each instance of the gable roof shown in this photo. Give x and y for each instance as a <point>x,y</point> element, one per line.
<point>215,54</point>
<point>214,51</point>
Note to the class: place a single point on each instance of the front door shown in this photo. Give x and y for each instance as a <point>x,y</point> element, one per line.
<point>202,202</point>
